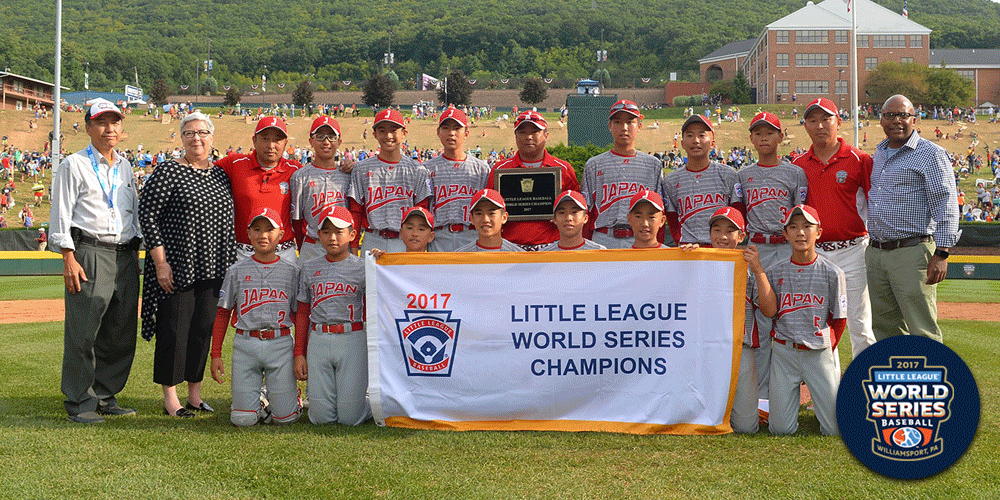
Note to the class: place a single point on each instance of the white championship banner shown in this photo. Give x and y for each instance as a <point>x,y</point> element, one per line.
<point>634,341</point>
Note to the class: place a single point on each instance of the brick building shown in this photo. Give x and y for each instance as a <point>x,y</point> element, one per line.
<point>982,66</point>
<point>21,92</point>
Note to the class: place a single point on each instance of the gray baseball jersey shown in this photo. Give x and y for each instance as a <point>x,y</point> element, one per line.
<point>313,190</point>
<point>587,245</point>
<point>453,184</point>
<point>386,190</point>
<point>333,290</point>
<point>505,246</point>
<point>263,294</point>
<point>768,192</point>
<point>809,296</point>
<point>610,180</point>
<point>695,196</point>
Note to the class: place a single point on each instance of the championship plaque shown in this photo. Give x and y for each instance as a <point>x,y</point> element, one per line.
<point>529,193</point>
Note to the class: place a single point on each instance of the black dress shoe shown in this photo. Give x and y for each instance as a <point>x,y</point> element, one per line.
<point>202,407</point>
<point>115,410</point>
<point>181,412</point>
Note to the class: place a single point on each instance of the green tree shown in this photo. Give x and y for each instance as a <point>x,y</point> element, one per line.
<point>209,86</point>
<point>945,87</point>
<point>233,96</point>
<point>534,91</point>
<point>459,90</point>
<point>741,89</point>
<point>893,78</point>
<point>158,94</point>
<point>303,94</point>
<point>379,91</point>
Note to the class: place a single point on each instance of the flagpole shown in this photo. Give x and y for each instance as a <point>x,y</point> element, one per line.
<point>854,70</point>
<point>54,146</point>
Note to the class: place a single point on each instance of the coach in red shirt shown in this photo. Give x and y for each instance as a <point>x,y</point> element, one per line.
<point>839,177</point>
<point>260,180</point>
<point>530,134</point>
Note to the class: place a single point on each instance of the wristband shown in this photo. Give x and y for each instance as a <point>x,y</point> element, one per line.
<point>941,253</point>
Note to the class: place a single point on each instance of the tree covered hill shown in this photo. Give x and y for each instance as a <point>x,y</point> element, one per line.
<point>330,41</point>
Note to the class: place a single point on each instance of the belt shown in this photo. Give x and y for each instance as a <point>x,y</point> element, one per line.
<point>830,246</point>
<point>617,231</point>
<point>456,228</point>
<point>339,327</point>
<point>388,234</point>
<point>905,242</point>
<point>281,246</point>
<point>793,344</point>
<point>265,334</point>
<point>773,239</point>
<point>79,237</point>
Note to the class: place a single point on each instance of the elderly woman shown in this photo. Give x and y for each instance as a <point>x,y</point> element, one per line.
<point>186,214</point>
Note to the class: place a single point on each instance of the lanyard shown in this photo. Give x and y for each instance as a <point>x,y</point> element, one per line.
<point>114,178</point>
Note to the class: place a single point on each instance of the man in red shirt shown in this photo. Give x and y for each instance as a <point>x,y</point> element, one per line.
<point>530,134</point>
<point>260,180</point>
<point>839,177</point>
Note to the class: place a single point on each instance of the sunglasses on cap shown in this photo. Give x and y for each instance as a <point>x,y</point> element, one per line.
<point>325,137</point>
<point>624,105</point>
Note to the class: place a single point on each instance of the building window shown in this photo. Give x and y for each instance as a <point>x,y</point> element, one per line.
<point>781,36</point>
<point>862,40</point>
<point>871,63</point>
<point>812,36</point>
<point>841,87</point>
<point>812,87</point>
<point>841,36</point>
<point>916,41</point>
<point>782,87</point>
<point>906,60</point>
<point>781,60</point>
<point>890,41</point>
<point>840,59</point>
<point>815,60</point>
<point>967,73</point>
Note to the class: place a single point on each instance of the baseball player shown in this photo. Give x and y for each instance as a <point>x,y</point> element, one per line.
<point>645,217</point>
<point>611,178</point>
<point>259,293</point>
<point>692,194</point>
<point>489,214</point>
<point>839,178</point>
<point>569,214</point>
<point>318,185</point>
<point>333,355</point>
<point>812,306</point>
<point>384,186</point>
<point>454,175</point>
<point>764,192</point>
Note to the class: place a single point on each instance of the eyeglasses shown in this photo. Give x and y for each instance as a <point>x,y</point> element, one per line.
<point>188,134</point>
<point>325,137</point>
<point>892,116</point>
<point>624,105</point>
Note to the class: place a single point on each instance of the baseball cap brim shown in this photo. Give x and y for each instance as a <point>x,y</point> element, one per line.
<point>730,214</point>
<point>806,211</point>
<point>574,196</point>
<point>826,105</point>
<point>693,119</point>
<point>267,218</point>
<point>650,197</point>
<point>419,212</point>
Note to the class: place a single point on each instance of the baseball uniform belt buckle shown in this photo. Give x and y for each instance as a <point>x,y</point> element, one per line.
<point>793,344</point>
<point>388,234</point>
<point>265,334</point>
<point>623,232</point>
<point>776,239</point>
<point>457,228</point>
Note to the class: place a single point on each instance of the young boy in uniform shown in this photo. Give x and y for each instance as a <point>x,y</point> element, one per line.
<point>417,231</point>
<point>259,293</point>
<point>569,214</point>
<point>645,216</point>
<point>384,186</point>
<point>330,343</point>
<point>812,307</point>
<point>489,213</point>
<point>693,193</point>
<point>318,185</point>
<point>454,176</point>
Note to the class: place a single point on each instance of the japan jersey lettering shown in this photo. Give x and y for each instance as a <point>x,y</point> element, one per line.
<point>333,290</point>
<point>610,180</point>
<point>695,196</point>
<point>769,192</point>
<point>315,189</point>
<point>505,246</point>
<point>586,245</point>
<point>809,297</point>
<point>262,294</point>
<point>386,190</point>
<point>453,184</point>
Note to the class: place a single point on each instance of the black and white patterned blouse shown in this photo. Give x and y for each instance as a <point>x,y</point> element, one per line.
<point>189,212</point>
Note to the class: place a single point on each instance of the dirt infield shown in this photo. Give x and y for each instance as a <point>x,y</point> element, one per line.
<point>38,311</point>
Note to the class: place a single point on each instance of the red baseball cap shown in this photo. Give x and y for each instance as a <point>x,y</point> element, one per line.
<point>339,216</point>
<point>768,118</point>
<point>389,115</point>
<point>575,196</point>
<point>454,114</point>
<point>823,103</point>
<point>420,212</point>
<point>626,106</point>
<point>531,117</point>
<point>271,122</point>
<point>645,195</point>
<point>324,121</point>
<point>490,195</point>
<point>271,215</point>
<point>101,106</point>
<point>808,212</point>
<point>730,214</point>
<point>696,118</point>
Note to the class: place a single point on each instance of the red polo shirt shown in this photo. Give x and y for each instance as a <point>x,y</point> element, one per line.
<point>534,232</point>
<point>838,190</point>
<point>255,188</point>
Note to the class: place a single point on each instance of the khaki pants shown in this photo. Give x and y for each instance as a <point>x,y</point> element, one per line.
<point>902,302</point>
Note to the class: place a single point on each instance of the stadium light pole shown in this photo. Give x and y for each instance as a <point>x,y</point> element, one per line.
<point>57,95</point>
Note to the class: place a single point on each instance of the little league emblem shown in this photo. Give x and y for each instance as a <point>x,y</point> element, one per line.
<point>428,339</point>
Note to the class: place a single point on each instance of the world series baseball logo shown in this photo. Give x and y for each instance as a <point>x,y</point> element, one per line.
<point>428,339</point>
<point>907,402</point>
